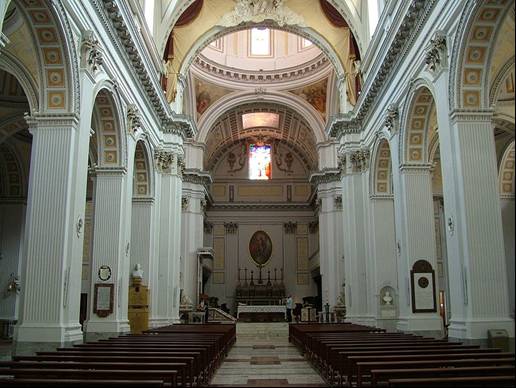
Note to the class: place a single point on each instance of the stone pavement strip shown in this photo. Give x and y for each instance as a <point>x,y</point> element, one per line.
<point>263,357</point>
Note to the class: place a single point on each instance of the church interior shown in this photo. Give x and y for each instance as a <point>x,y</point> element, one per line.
<point>257,193</point>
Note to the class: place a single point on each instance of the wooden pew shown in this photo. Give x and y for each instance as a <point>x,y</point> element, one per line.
<point>166,376</point>
<point>51,383</point>
<point>379,375</point>
<point>469,382</point>
<point>364,368</point>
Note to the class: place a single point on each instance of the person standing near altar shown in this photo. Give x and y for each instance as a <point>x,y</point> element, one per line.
<point>289,305</point>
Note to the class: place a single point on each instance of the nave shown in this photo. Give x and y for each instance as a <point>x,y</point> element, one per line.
<point>264,355</point>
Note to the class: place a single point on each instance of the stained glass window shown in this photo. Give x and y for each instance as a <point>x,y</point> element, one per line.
<point>260,161</point>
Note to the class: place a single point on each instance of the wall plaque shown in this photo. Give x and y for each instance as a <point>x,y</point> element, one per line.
<point>422,278</point>
<point>104,272</point>
<point>103,299</point>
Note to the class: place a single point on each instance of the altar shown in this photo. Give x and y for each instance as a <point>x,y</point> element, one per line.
<point>274,313</point>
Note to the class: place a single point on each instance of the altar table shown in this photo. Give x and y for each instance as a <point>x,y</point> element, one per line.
<point>262,313</point>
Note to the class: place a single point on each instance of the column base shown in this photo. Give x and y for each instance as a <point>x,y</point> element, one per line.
<point>477,328</point>
<point>44,332</point>
<point>429,325</point>
<point>97,329</point>
<point>362,320</point>
<point>159,322</point>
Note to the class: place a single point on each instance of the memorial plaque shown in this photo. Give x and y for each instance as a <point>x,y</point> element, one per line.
<point>103,299</point>
<point>422,278</point>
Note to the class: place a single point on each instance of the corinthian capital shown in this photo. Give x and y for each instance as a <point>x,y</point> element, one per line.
<point>163,160</point>
<point>435,56</point>
<point>391,118</point>
<point>360,160</point>
<point>91,54</point>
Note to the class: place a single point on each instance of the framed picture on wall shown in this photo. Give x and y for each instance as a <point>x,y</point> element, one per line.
<point>422,279</point>
<point>103,299</point>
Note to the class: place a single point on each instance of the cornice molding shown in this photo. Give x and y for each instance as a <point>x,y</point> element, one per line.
<point>260,206</point>
<point>413,21</point>
<point>316,65</point>
<point>123,33</point>
<point>325,176</point>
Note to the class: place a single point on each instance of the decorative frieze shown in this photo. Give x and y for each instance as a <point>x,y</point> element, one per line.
<point>435,56</point>
<point>325,176</point>
<point>91,54</point>
<point>415,17</point>
<point>313,227</point>
<point>231,227</point>
<point>290,227</point>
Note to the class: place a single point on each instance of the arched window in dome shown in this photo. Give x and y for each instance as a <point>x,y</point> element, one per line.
<point>260,42</point>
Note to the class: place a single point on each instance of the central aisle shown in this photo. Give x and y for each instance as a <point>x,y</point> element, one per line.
<point>263,357</point>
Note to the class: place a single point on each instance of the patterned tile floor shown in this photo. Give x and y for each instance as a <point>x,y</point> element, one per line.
<point>263,357</point>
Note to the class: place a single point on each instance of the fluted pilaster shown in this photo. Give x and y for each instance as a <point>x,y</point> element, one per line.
<point>50,271</point>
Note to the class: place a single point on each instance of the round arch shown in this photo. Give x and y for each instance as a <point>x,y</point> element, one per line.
<point>303,108</point>
<point>381,178</point>
<point>110,127</point>
<point>342,8</point>
<point>143,183</point>
<point>415,123</point>
<point>59,75</point>
<point>477,31</point>
<point>216,32</point>
<point>506,172</point>
<point>13,66</point>
<point>13,183</point>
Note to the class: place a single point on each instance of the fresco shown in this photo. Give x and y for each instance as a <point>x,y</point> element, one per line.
<point>315,95</point>
<point>206,94</point>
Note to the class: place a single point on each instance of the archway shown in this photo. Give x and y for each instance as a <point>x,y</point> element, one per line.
<point>105,245</point>
<point>15,157</point>
<point>385,282</point>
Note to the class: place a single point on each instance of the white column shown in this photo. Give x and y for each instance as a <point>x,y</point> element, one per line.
<point>110,247</point>
<point>354,197</point>
<point>383,244</point>
<point>169,220</point>
<point>193,236</point>
<point>52,262</point>
<point>415,221</point>
<point>477,266</point>
<point>330,241</point>
<point>142,247</point>
<point>476,256</point>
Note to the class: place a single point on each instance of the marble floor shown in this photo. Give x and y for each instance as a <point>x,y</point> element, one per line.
<point>263,357</point>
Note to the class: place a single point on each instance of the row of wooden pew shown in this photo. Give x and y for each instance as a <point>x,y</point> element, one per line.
<point>355,355</point>
<point>177,355</point>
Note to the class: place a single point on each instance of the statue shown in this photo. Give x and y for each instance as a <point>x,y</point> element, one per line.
<point>257,11</point>
<point>137,272</point>
<point>387,298</point>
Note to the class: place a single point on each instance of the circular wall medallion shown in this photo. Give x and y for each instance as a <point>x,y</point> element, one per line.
<point>260,248</point>
<point>104,273</point>
<point>423,282</point>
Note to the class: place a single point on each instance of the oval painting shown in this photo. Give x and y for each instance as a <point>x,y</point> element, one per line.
<point>260,247</point>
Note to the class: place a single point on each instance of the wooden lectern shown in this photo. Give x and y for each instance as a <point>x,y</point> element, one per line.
<point>138,312</point>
